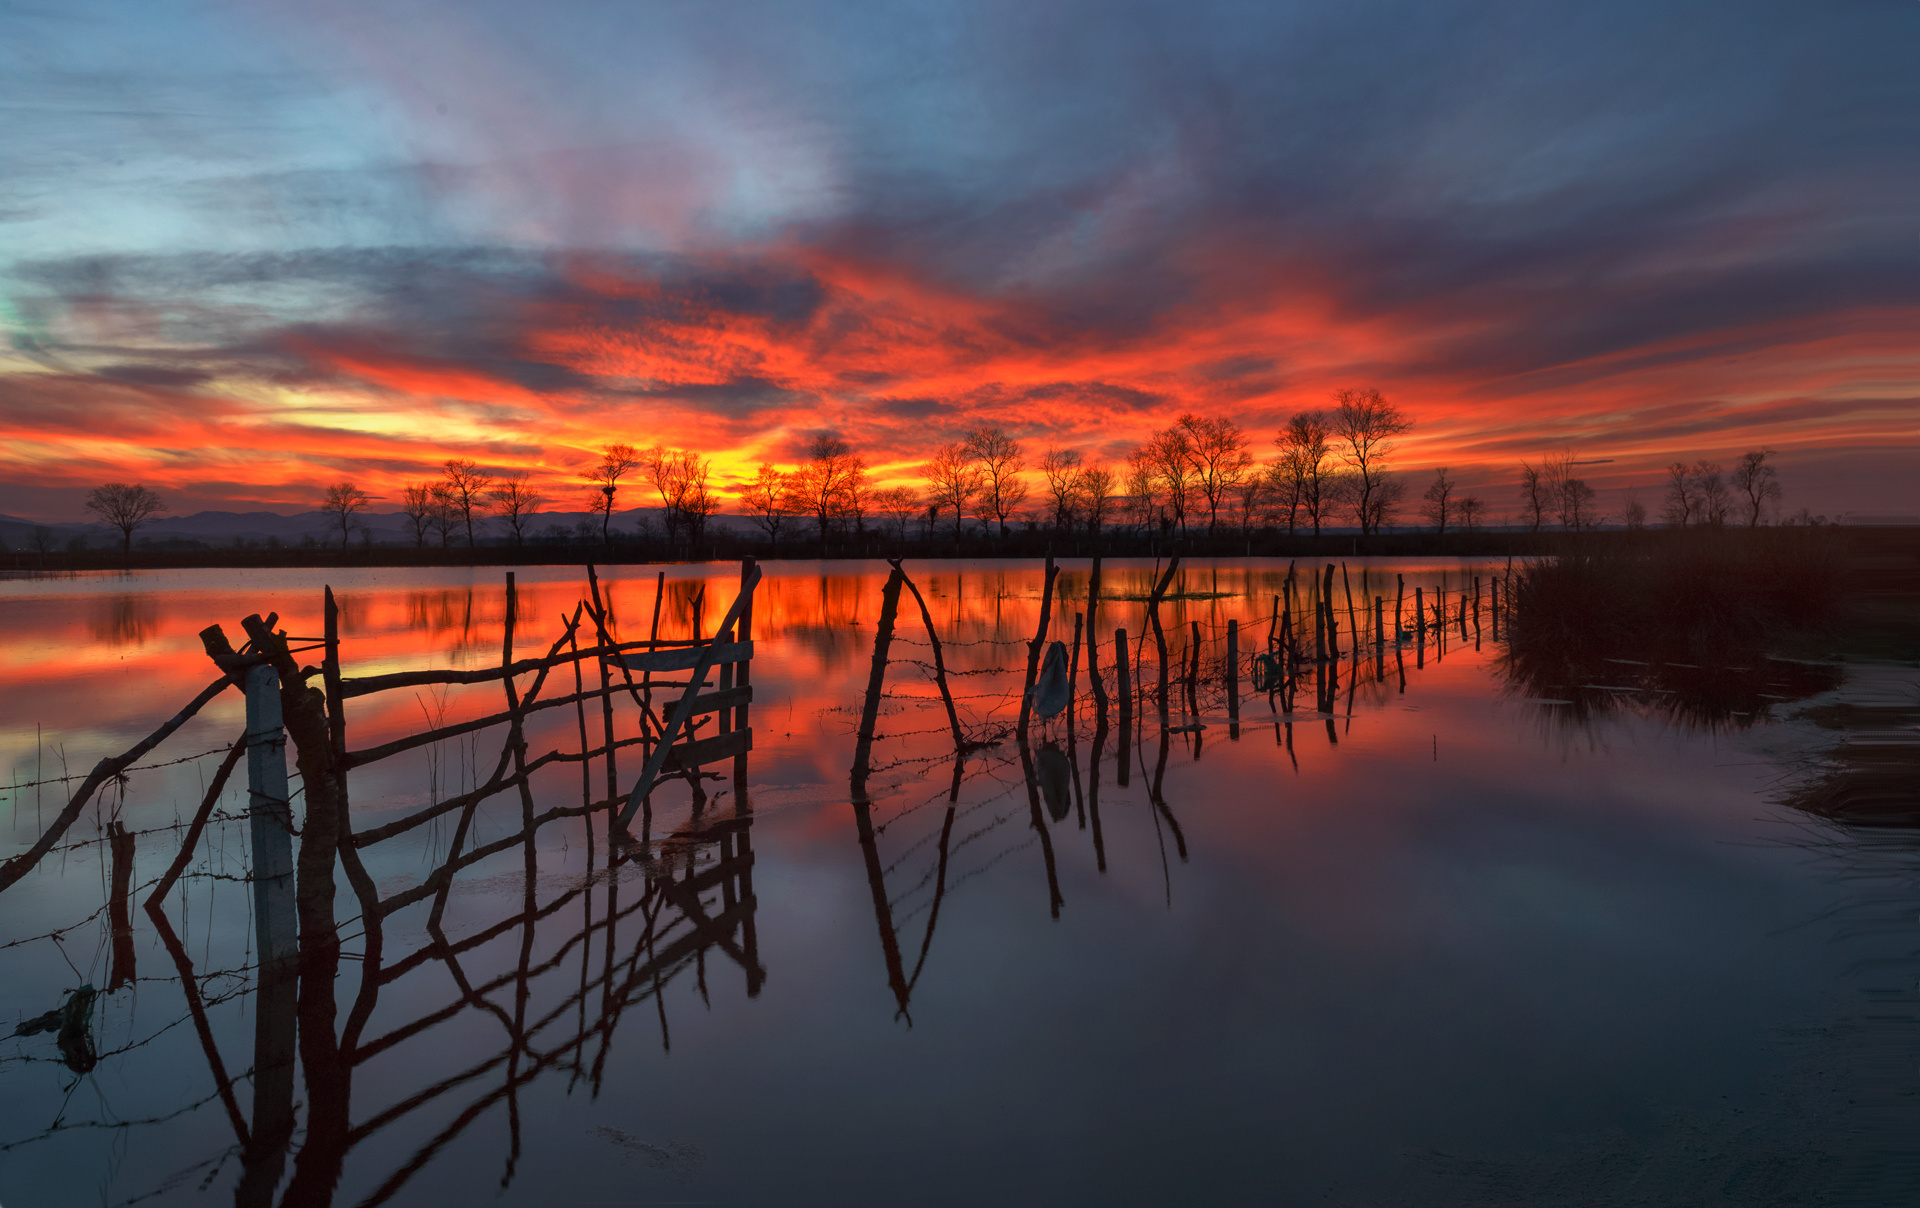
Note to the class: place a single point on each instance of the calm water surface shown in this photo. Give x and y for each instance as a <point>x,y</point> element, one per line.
<point>1440,944</point>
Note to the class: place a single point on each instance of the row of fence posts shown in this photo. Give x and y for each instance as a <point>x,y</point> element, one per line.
<point>1284,641</point>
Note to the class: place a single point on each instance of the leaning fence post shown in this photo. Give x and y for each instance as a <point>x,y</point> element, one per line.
<point>876,680</point>
<point>275,924</point>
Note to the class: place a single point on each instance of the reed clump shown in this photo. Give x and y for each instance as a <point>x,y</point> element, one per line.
<point>1698,595</point>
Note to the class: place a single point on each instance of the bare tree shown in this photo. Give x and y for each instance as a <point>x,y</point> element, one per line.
<point>343,502</point>
<point>125,506</point>
<point>1170,454</point>
<point>1535,495</point>
<point>1096,496</point>
<point>1143,489</point>
<point>1710,488</point>
<point>954,481</point>
<point>417,503</point>
<point>1437,503</point>
<point>514,500</point>
<point>1682,505</point>
<point>467,486</point>
<point>446,513</point>
<point>1471,508</point>
<point>1250,496</point>
<point>1305,444</point>
<point>856,495</point>
<point>681,478</point>
<point>42,540</point>
<point>1635,515</point>
<point>769,500</point>
<point>1002,489</point>
<point>896,507</point>
<point>1576,506</point>
<point>825,476</point>
<point>1375,510</point>
<point>1759,482</point>
<point>1217,449</point>
<point>616,462</point>
<point>1061,469</point>
<point>1368,423</point>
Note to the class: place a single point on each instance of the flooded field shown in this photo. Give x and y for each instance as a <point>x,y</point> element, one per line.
<point>1418,929</point>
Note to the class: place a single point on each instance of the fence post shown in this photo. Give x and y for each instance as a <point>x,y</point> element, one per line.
<point>276,931</point>
<point>1233,676</point>
<point>1123,692</point>
<point>275,924</point>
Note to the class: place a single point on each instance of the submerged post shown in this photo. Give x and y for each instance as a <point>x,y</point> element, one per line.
<point>1036,647</point>
<point>876,679</point>
<point>276,938</point>
<point>1093,642</point>
<point>1233,676</point>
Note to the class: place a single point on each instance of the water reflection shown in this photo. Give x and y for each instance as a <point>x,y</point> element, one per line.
<point>124,619</point>
<point>1185,893</point>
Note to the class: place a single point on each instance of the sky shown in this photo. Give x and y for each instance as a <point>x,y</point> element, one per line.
<point>249,249</point>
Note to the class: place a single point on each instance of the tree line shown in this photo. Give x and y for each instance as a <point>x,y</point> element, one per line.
<point>1329,466</point>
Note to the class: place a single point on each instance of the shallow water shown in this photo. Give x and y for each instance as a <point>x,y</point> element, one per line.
<point>1441,942</point>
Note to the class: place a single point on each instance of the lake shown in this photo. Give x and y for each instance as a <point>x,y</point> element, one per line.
<point>1432,936</point>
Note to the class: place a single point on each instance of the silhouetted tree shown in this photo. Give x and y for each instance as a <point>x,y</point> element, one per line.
<point>1471,509</point>
<point>1249,496</point>
<point>125,506</point>
<point>1305,445</point>
<point>1716,501</point>
<point>417,503</point>
<point>343,502</point>
<point>1061,470</point>
<point>466,489</point>
<point>769,501</point>
<point>1170,456</point>
<point>1217,451</point>
<point>516,502</point>
<point>1096,496</point>
<point>896,507</point>
<point>825,477</point>
<point>954,481</point>
<point>1143,502</point>
<point>1758,482</point>
<point>444,513</point>
<point>1437,503</point>
<point>1002,490</point>
<point>1535,495</point>
<point>1634,516</point>
<point>1367,423</point>
<point>616,462</point>
<point>1682,502</point>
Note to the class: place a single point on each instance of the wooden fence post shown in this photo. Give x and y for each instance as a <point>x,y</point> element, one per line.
<point>1123,690</point>
<point>276,928</point>
<point>876,680</point>
<point>1233,676</point>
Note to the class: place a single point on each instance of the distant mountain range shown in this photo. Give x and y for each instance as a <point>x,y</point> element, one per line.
<point>261,528</point>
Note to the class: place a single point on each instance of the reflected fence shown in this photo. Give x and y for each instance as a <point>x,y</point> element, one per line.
<point>1199,678</point>
<point>648,910</point>
<point>556,968</point>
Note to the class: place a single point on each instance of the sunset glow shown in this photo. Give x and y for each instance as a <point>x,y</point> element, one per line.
<point>317,245</point>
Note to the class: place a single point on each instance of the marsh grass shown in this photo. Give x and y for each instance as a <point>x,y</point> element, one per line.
<point>1682,624</point>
